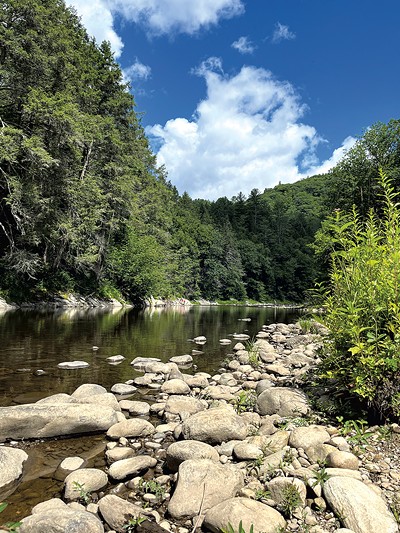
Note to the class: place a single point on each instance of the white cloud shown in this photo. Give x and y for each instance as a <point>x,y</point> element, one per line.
<point>98,20</point>
<point>247,133</point>
<point>282,33</point>
<point>157,16</point>
<point>337,155</point>
<point>137,71</point>
<point>243,45</point>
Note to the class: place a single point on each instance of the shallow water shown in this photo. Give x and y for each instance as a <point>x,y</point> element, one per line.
<point>32,341</point>
<point>39,340</point>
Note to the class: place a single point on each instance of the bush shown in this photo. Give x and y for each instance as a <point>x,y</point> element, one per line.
<point>362,357</point>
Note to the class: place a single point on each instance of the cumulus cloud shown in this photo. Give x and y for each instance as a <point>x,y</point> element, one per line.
<point>137,71</point>
<point>282,33</point>
<point>97,18</point>
<point>243,45</point>
<point>247,133</point>
<point>158,17</point>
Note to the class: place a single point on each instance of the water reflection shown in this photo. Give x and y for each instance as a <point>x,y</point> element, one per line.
<point>35,341</point>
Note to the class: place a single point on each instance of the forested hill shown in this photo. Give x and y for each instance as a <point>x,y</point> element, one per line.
<point>83,206</point>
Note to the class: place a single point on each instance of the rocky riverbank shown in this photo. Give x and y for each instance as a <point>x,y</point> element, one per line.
<point>209,452</point>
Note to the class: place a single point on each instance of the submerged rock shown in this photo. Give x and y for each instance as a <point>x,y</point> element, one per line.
<point>12,462</point>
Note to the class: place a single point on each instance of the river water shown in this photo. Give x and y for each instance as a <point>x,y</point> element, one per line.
<point>32,341</point>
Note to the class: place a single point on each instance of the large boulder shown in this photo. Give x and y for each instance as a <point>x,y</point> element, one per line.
<point>215,426</point>
<point>282,401</point>
<point>35,421</point>
<point>201,485</point>
<point>116,512</point>
<point>361,509</point>
<point>304,437</point>
<point>175,386</point>
<point>189,449</point>
<point>11,468</point>
<point>178,405</point>
<point>249,512</point>
<point>59,518</point>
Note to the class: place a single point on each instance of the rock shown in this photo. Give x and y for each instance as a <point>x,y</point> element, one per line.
<point>215,426</point>
<point>200,338</point>
<point>239,346</point>
<point>101,399</point>
<point>86,479</point>
<point>338,459</point>
<point>61,520</point>
<point>205,483</point>
<point>183,404</point>
<point>283,401</point>
<point>263,385</point>
<point>119,453</point>
<point>67,466</point>
<point>175,386</point>
<point>12,462</point>
<point>359,507</point>
<point>304,437</point>
<point>123,388</point>
<point>35,421</point>
<point>196,381</point>
<point>220,392</point>
<point>182,360</point>
<point>139,408</point>
<point>88,389</point>
<point>117,512</point>
<point>319,452</point>
<point>133,427</point>
<point>53,503</point>
<point>189,449</point>
<point>249,512</point>
<point>278,369</point>
<point>115,358</point>
<point>73,364</point>
<point>244,451</point>
<point>225,342</point>
<point>344,472</point>
<point>129,467</point>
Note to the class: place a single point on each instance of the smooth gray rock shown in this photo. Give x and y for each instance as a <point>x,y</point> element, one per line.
<point>181,451</point>
<point>101,399</point>
<point>139,408</point>
<point>88,389</point>
<point>304,437</point>
<point>35,421</point>
<point>249,512</point>
<point>132,466</point>
<point>119,453</point>
<point>205,483</point>
<point>58,398</point>
<point>183,404</point>
<point>283,401</point>
<point>116,512</point>
<point>215,426</point>
<point>123,388</point>
<point>279,485</point>
<point>183,360</point>
<point>133,427</point>
<point>73,364</point>
<point>69,465</point>
<point>338,459</point>
<point>61,520</point>
<point>12,462</point>
<point>89,479</point>
<point>175,386</point>
<point>359,507</point>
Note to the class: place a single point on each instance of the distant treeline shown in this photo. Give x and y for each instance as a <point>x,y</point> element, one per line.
<point>84,207</point>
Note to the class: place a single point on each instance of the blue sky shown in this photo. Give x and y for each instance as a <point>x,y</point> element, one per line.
<point>237,94</point>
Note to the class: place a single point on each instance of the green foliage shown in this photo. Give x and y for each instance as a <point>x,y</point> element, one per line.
<point>151,486</point>
<point>356,430</point>
<point>262,494</point>
<point>84,495</point>
<point>240,529</point>
<point>9,526</point>
<point>291,500</point>
<point>132,523</point>
<point>363,308</point>
<point>321,476</point>
<point>246,400</point>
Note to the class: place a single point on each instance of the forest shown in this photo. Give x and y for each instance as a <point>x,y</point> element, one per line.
<point>84,207</point>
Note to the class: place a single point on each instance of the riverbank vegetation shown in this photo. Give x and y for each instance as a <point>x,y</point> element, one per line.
<point>84,207</point>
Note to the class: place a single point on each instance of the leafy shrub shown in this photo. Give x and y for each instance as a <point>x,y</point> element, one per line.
<point>362,357</point>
